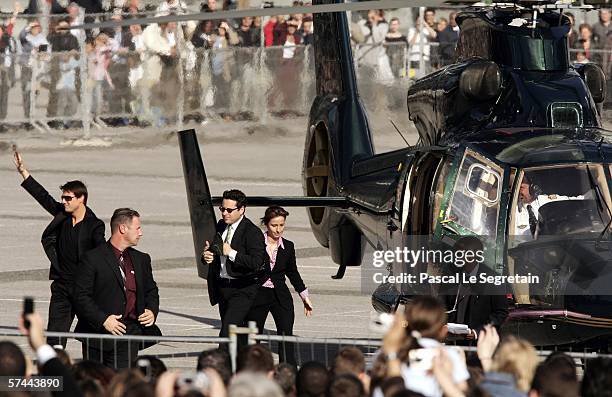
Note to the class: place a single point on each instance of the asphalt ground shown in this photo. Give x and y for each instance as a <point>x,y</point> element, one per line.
<point>142,169</point>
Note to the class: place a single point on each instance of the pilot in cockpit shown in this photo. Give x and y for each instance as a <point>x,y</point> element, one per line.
<point>531,198</point>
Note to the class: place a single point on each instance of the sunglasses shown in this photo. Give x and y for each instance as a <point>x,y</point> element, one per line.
<point>68,198</point>
<point>229,210</point>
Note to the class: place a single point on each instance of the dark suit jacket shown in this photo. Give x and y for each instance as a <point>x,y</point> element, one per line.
<point>91,233</point>
<point>251,257</point>
<point>286,266</point>
<point>99,289</point>
<point>487,304</point>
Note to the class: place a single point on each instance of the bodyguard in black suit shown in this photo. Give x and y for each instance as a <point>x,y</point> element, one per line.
<point>273,295</point>
<point>116,294</point>
<point>74,230</point>
<point>236,261</point>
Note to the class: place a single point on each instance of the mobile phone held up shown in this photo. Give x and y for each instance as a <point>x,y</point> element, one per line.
<point>28,308</point>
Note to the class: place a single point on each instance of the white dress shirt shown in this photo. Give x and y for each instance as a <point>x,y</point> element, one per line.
<point>232,254</point>
<point>521,221</point>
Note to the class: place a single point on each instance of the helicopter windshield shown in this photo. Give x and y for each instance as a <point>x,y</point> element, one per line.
<point>531,53</point>
<point>560,200</point>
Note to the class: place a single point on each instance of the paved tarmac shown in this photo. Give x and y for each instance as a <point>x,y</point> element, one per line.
<point>142,169</point>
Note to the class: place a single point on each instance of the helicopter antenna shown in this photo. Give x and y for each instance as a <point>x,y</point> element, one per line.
<point>599,149</point>
<point>399,132</point>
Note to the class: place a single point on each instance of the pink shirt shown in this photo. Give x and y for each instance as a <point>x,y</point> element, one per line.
<point>272,252</point>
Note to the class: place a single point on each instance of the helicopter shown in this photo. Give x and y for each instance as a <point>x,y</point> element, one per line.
<point>512,113</point>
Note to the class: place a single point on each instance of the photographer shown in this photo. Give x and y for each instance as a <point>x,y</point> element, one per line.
<point>207,382</point>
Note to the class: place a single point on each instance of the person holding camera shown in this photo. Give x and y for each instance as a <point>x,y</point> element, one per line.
<point>31,325</point>
<point>115,293</point>
<point>236,259</point>
<point>273,295</point>
<point>74,230</point>
<point>413,356</point>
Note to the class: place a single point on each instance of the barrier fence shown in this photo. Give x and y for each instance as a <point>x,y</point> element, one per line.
<point>56,90</point>
<point>306,349</point>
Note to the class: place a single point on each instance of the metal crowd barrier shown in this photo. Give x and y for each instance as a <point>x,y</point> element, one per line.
<point>306,349</point>
<point>237,83</point>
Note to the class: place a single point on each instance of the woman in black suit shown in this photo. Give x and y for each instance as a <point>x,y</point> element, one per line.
<point>273,295</point>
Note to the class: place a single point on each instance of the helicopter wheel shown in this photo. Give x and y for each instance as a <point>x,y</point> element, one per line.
<point>316,181</point>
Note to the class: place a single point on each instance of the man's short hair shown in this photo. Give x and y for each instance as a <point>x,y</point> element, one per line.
<point>552,381</point>
<point>89,369</point>
<point>284,376</point>
<point>349,360</point>
<point>122,216</point>
<point>12,360</point>
<point>597,381</point>
<point>236,195</point>
<point>312,379</point>
<point>346,385</point>
<point>562,362</point>
<point>77,187</point>
<point>217,359</point>
<point>255,358</point>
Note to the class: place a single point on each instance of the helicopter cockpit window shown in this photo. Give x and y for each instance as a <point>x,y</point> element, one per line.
<point>475,202</point>
<point>559,201</point>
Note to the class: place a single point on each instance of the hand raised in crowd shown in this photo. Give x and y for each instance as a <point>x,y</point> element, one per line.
<point>396,335</point>
<point>488,339</point>
<point>206,254</point>
<point>18,160</point>
<point>307,306</point>
<point>442,368</point>
<point>114,326</point>
<point>392,343</point>
<point>165,384</point>
<point>147,318</point>
<point>35,334</point>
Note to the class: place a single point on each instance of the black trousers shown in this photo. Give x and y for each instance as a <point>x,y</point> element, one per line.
<point>61,310</point>
<point>267,302</point>
<point>236,299</point>
<point>115,354</point>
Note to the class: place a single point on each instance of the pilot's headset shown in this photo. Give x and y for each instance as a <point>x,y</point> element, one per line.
<point>534,189</point>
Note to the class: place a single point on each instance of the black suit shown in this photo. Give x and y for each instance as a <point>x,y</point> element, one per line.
<point>278,300</point>
<point>478,304</point>
<point>99,292</point>
<point>91,235</point>
<point>235,297</point>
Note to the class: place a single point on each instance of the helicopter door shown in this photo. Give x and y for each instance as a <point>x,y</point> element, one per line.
<point>473,205</point>
<point>415,219</point>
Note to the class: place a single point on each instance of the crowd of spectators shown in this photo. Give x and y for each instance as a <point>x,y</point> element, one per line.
<point>412,362</point>
<point>138,69</point>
